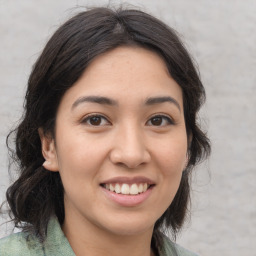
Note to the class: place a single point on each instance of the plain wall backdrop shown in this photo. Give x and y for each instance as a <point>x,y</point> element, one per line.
<point>221,35</point>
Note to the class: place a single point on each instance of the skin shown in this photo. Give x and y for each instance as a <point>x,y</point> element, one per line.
<point>127,141</point>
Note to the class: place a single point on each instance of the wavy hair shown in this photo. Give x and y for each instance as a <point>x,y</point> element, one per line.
<point>37,193</point>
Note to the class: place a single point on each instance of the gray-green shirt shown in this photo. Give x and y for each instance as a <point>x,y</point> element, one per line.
<point>56,244</point>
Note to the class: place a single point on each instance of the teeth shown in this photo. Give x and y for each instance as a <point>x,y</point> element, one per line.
<point>111,187</point>
<point>125,189</point>
<point>134,190</point>
<point>117,188</point>
<point>141,188</point>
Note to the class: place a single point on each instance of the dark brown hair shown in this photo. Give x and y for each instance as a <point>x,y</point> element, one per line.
<point>37,193</point>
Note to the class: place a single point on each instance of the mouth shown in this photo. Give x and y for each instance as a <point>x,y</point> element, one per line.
<point>127,189</point>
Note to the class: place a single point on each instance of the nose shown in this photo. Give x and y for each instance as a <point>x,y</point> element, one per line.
<point>129,148</point>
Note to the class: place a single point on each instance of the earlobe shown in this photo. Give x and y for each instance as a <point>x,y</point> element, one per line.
<point>50,166</point>
<point>48,151</point>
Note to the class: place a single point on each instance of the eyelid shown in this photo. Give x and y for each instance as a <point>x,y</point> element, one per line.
<point>165,117</point>
<point>86,118</point>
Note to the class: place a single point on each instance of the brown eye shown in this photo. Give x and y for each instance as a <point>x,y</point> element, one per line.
<point>95,120</point>
<point>156,121</point>
<point>160,120</point>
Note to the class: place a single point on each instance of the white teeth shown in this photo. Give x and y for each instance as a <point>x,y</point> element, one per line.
<point>125,189</point>
<point>117,188</point>
<point>134,190</point>
<point>111,187</point>
<point>140,188</point>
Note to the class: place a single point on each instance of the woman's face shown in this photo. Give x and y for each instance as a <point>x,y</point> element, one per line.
<point>121,142</point>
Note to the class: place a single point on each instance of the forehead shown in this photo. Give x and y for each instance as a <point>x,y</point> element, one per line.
<point>126,74</point>
<point>128,60</point>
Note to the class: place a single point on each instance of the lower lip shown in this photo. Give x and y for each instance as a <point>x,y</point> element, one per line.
<point>128,200</point>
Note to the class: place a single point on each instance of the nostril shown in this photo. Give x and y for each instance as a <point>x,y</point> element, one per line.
<point>130,160</point>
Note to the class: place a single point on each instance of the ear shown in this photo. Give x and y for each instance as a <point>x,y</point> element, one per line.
<point>48,151</point>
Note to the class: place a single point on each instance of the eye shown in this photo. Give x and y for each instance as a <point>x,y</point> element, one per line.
<point>95,120</point>
<point>160,120</point>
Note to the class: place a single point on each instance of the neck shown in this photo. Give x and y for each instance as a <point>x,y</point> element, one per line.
<point>87,239</point>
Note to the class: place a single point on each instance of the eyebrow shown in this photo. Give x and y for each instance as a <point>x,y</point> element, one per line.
<point>94,99</point>
<point>163,99</point>
<point>107,101</point>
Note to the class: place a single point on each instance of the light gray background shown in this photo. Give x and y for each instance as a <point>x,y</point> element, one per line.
<point>221,35</point>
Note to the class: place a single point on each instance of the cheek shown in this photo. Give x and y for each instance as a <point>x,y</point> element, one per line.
<point>80,157</point>
<point>172,156</point>
<point>171,162</point>
<point>78,167</point>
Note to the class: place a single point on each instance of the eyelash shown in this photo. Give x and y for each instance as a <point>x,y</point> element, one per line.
<point>88,118</point>
<point>168,119</point>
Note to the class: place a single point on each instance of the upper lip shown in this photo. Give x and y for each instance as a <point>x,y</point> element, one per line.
<point>129,180</point>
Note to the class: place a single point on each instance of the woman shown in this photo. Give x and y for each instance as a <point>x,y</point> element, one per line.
<point>108,140</point>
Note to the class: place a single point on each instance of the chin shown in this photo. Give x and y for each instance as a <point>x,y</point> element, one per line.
<point>130,227</point>
<point>130,231</point>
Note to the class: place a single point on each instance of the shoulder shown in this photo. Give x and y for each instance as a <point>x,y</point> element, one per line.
<point>170,248</point>
<point>24,244</point>
<point>20,244</point>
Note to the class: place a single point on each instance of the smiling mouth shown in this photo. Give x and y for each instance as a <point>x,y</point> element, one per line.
<point>127,189</point>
